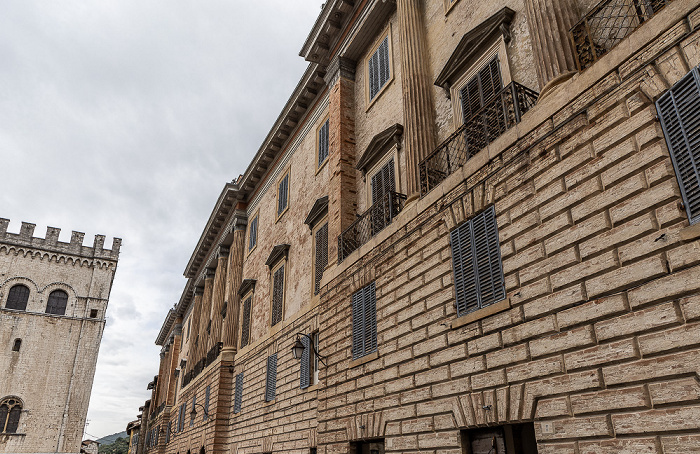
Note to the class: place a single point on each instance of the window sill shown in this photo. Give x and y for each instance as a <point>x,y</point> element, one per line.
<point>364,359</point>
<point>322,165</point>
<point>313,387</point>
<point>690,233</point>
<point>370,102</point>
<point>481,313</point>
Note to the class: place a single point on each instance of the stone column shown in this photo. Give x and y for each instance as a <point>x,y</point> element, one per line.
<point>233,283</point>
<point>196,311</point>
<point>218,296</point>
<point>342,189</point>
<point>418,112</point>
<point>550,22</point>
<point>205,311</point>
<point>174,357</point>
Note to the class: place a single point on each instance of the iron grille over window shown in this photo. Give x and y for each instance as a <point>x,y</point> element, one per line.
<point>271,379</point>
<point>253,233</point>
<point>18,297</point>
<point>245,329</point>
<point>364,321</point>
<point>58,299</point>
<point>282,194</point>
<point>679,112</point>
<point>378,68</point>
<point>321,256</point>
<point>476,263</point>
<point>238,397</point>
<point>277,295</point>
<point>323,143</point>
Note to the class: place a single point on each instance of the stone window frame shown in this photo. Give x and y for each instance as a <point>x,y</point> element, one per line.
<point>497,48</point>
<point>255,220</point>
<point>17,403</point>
<point>283,261</point>
<point>26,303</point>
<point>321,124</point>
<point>386,33</point>
<point>318,226</point>
<point>285,174</point>
<point>392,153</point>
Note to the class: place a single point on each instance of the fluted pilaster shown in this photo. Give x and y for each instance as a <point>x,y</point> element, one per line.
<point>550,22</point>
<point>419,124</point>
<point>205,312</point>
<point>233,283</point>
<point>196,311</point>
<point>218,297</point>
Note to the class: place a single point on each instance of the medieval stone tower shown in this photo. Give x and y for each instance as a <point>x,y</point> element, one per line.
<point>53,297</point>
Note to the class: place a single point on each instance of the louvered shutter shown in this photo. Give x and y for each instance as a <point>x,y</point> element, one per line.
<point>383,182</point>
<point>379,71</point>
<point>238,397</point>
<point>304,376</point>
<point>679,112</point>
<point>253,235</point>
<point>245,329</point>
<point>370,319</point>
<point>167,433</point>
<point>358,311</point>
<point>206,403</point>
<point>323,143</point>
<point>283,193</point>
<point>383,52</point>
<point>277,295</point>
<point>321,256</point>
<point>481,89</point>
<point>271,382</point>
<point>194,402</point>
<point>182,416</point>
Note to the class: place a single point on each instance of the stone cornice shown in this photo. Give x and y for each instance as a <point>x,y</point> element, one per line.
<point>278,252</point>
<point>246,286</point>
<point>327,30</point>
<point>317,211</point>
<point>166,327</point>
<point>379,145</point>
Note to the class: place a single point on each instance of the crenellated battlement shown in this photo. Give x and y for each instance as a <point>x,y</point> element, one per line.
<point>50,242</point>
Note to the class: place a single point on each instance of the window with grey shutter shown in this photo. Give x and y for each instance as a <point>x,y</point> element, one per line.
<point>481,89</point>
<point>271,380</point>
<point>253,233</point>
<point>364,321</point>
<point>476,263</point>
<point>277,295</point>
<point>305,375</point>
<point>383,182</point>
<point>183,407</point>
<point>282,195</point>
<point>206,403</point>
<point>379,69</point>
<point>167,433</point>
<point>238,397</point>
<point>323,143</point>
<point>245,328</point>
<point>679,113</point>
<point>321,256</point>
<point>192,412</point>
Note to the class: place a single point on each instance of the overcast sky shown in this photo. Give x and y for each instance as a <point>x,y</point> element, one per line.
<point>126,118</point>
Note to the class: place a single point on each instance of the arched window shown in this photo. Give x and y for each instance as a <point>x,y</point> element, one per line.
<point>10,410</point>
<point>18,297</point>
<point>58,299</point>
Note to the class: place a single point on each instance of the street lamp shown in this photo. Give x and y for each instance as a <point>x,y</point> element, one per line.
<point>298,348</point>
<point>193,413</point>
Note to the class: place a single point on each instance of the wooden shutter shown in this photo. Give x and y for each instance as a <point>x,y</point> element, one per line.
<point>358,316</point>
<point>679,112</point>
<point>476,263</point>
<point>282,195</point>
<point>383,52</point>
<point>253,234</point>
<point>277,295</point>
<point>304,376</point>
<point>321,256</point>
<point>206,403</point>
<point>238,397</point>
<point>271,382</point>
<point>378,69</point>
<point>383,182</point>
<point>364,321</point>
<point>194,402</point>
<point>245,328</point>
<point>481,89</point>
<point>323,143</point>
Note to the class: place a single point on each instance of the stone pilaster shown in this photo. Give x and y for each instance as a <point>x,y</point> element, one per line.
<point>218,296</point>
<point>233,283</point>
<point>342,192</point>
<point>205,312</point>
<point>550,22</point>
<point>419,115</point>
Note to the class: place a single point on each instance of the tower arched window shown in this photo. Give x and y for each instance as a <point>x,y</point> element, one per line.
<point>10,411</point>
<point>18,297</point>
<point>58,300</point>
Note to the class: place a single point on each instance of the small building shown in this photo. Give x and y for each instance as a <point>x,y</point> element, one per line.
<point>89,447</point>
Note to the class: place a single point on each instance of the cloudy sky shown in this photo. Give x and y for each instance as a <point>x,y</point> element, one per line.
<point>126,118</point>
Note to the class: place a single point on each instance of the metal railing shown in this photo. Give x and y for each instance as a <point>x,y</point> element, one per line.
<point>202,364</point>
<point>500,114</point>
<point>370,223</point>
<point>608,23</point>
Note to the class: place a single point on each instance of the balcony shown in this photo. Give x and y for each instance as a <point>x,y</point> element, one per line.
<point>608,23</point>
<point>500,114</point>
<point>370,223</point>
<point>202,364</point>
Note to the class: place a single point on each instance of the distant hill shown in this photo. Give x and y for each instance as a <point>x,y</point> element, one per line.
<point>109,439</point>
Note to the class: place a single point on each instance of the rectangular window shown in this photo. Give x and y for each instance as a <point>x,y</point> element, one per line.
<point>383,182</point>
<point>245,325</point>
<point>278,294</point>
<point>379,69</point>
<point>253,233</point>
<point>283,195</point>
<point>271,379</point>
<point>679,111</point>
<point>192,412</point>
<point>364,321</point>
<point>323,143</point>
<point>481,89</point>
<point>238,396</point>
<point>206,403</point>
<point>321,255</point>
<point>476,263</point>
<point>167,433</point>
<point>309,361</point>
<point>189,327</point>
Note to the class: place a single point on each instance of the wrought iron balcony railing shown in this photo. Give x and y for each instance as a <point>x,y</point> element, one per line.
<point>608,23</point>
<point>500,114</point>
<point>202,364</point>
<point>370,223</point>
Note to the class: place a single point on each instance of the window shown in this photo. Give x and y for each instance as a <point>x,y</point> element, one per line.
<point>283,195</point>
<point>507,439</point>
<point>364,321</point>
<point>93,313</point>
<point>238,396</point>
<point>18,297</point>
<point>322,144</point>
<point>253,233</point>
<point>379,71</point>
<point>182,417</point>
<point>245,324</point>
<point>382,186</point>
<point>58,299</point>
<point>10,411</point>
<point>678,111</point>
<point>309,361</point>
<point>476,263</point>
<point>168,432</point>
<point>189,326</point>
<point>321,255</point>
<point>271,378</point>
<point>278,293</point>
<point>206,403</point>
<point>16,345</point>
<point>383,182</point>
<point>370,447</point>
<point>193,411</point>
<point>481,89</point>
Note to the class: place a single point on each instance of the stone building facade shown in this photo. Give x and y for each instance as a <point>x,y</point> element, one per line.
<point>477,221</point>
<point>52,313</point>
